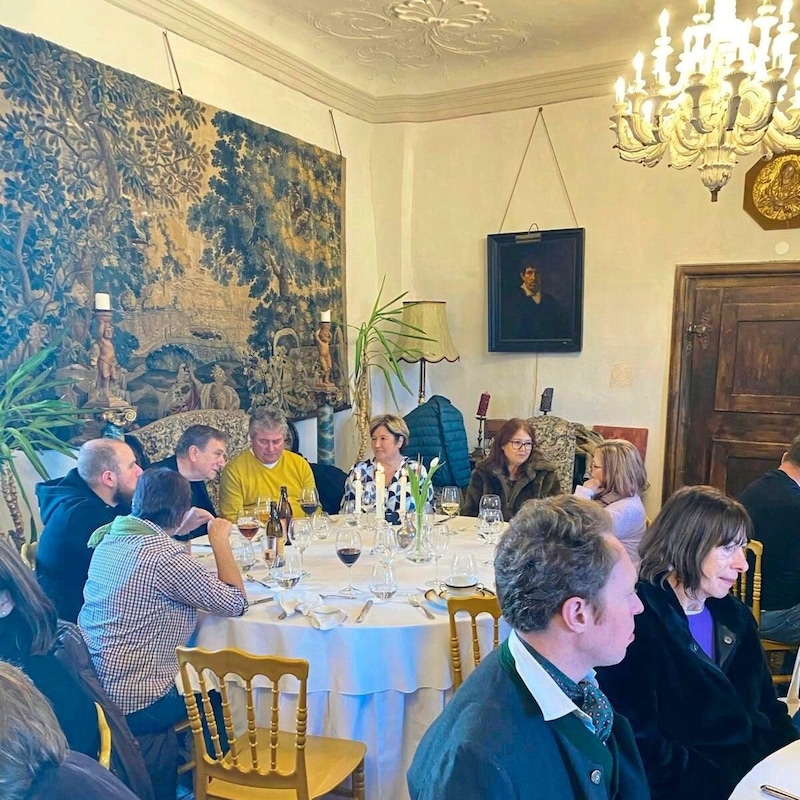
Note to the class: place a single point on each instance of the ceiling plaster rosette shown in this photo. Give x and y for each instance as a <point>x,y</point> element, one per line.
<point>418,34</point>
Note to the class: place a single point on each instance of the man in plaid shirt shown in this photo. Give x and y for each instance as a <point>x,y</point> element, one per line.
<point>141,601</point>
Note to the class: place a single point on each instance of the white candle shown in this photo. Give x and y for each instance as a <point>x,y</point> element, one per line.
<point>325,316</point>
<point>357,490</point>
<point>401,508</point>
<point>380,486</point>
<point>102,301</point>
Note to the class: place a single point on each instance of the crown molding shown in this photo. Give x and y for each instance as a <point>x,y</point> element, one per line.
<point>191,21</point>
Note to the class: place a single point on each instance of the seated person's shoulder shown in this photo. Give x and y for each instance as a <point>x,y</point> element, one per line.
<point>79,777</point>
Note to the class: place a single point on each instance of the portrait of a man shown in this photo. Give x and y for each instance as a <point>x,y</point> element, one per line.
<point>535,291</point>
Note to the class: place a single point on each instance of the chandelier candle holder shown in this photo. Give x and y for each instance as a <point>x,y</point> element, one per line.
<point>728,96</point>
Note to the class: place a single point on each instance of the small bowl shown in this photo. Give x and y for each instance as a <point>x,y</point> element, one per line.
<point>462,590</point>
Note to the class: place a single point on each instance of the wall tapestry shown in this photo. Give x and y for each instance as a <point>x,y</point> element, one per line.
<point>219,241</point>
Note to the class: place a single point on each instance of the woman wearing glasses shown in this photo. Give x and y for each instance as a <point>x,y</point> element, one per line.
<point>514,469</point>
<point>616,480</point>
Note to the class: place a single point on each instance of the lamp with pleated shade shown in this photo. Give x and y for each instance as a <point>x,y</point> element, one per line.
<point>430,318</point>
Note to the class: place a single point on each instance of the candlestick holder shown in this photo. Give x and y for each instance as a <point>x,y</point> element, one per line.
<point>479,452</point>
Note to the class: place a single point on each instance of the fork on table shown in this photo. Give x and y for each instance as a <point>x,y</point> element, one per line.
<point>415,601</point>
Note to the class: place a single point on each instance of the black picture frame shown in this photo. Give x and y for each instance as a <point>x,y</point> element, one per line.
<point>550,321</point>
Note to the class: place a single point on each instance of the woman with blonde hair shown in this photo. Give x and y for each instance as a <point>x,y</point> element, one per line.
<point>514,469</point>
<point>617,478</point>
<point>389,434</point>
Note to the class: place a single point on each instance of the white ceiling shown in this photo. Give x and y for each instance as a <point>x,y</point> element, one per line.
<point>362,57</point>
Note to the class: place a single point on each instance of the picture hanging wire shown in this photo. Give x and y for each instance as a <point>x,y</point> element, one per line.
<point>171,60</point>
<point>539,114</point>
<point>335,132</point>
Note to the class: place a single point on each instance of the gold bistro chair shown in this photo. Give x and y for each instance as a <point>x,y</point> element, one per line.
<point>474,605</point>
<point>262,763</point>
<point>748,590</point>
<point>104,753</point>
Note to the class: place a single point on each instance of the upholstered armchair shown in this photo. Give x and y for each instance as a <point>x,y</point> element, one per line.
<point>158,439</point>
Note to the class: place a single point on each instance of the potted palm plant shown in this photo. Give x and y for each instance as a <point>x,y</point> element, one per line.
<point>376,349</point>
<point>29,417</point>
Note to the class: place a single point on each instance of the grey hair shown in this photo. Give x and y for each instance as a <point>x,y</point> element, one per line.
<point>267,418</point>
<point>555,548</point>
<point>198,436</point>
<point>30,736</point>
<point>97,456</point>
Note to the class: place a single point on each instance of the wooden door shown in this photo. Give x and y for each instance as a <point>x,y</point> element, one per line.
<point>734,401</point>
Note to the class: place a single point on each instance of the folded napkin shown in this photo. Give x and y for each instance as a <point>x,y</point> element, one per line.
<point>309,604</point>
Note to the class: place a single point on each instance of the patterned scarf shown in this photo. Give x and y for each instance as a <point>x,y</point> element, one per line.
<point>586,694</point>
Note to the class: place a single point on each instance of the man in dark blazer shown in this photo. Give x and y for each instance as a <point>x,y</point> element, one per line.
<point>530,722</point>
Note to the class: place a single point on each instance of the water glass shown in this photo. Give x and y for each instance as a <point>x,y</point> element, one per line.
<point>322,526</point>
<point>382,583</point>
<point>290,571</point>
<point>349,513</point>
<point>463,570</point>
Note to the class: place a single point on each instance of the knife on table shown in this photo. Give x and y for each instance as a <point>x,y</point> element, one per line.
<point>364,611</point>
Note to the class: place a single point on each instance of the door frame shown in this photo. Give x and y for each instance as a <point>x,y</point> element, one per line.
<point>687,276</point>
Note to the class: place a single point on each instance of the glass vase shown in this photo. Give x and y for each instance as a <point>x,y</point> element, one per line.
<point>420,550</point>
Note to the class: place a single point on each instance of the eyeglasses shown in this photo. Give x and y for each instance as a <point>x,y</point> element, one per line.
<point>519,444</point>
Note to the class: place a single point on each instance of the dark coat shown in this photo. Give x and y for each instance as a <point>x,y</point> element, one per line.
<point>200,498</point>
<point>538,480</point>
<point>436,428</point>
<point>700,726</point>
<point>491,742</point>
<point>71,513</point>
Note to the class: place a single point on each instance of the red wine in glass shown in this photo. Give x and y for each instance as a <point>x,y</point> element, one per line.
<point>309,509</point>
<point>348,555</point>
<point>248,529</point>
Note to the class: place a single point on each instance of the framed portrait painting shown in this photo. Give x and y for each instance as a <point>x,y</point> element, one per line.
<point>536,291</point>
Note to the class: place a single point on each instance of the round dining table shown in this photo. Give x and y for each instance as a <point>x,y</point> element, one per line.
<point>381,681</point>
<point>778,771</point>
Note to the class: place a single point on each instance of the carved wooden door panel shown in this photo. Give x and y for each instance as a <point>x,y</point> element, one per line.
<point>735,374</point>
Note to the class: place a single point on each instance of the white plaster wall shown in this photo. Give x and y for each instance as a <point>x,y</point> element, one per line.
<point>639,224</point>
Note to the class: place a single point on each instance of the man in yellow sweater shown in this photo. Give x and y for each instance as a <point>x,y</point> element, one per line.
<point>261,471</point>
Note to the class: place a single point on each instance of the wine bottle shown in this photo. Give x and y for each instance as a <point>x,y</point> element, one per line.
<point>285,513</point>
<point>274,531</point>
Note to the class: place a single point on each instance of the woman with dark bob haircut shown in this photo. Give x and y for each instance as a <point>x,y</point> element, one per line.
<point>695,684</point>
<point>28,634</point>
<point>514,469</point>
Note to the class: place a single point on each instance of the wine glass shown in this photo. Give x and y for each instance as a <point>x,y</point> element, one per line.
<point>322,526</point>
<point>309,501</point>
<point>385,546</point>
<point>302,532</point>
<point>439,541</point>
<point>348,549</point>
<point>492,528</point>
<point>382,583</point>
<point>368,505</point>
<point>451,501</point>
<point>349,513</point>
<point>247,523</point>
<point>489,502</point>
<point>262,510</point>
<point>290,571</point>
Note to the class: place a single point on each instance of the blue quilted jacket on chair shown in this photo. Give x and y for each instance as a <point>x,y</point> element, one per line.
<point>436,428</point>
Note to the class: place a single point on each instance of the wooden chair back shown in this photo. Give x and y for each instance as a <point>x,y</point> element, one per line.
<point>28,553</point>
<point>283,766</point>
<point>474,605</point>
<point>748,585</point>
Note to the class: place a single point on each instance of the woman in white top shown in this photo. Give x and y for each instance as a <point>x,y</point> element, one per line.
<point>617,478</point>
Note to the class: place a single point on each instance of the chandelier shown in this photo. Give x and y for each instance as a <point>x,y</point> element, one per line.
<point>727,98</point>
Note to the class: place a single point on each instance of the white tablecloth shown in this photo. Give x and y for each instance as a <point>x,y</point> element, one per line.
<point>781,770</point>
<point>383,681</point>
